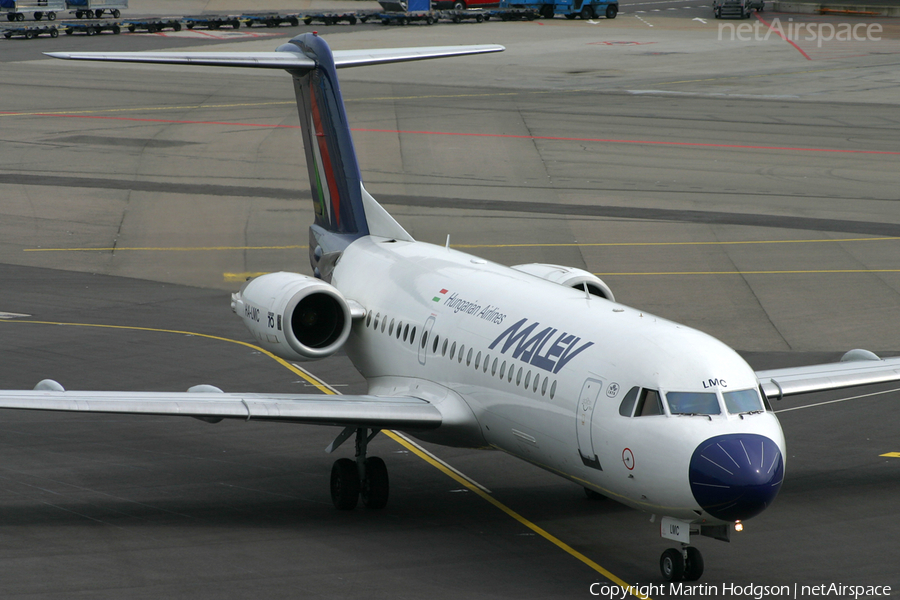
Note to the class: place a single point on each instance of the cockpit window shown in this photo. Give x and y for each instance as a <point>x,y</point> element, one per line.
<point>627,405</point>
<point>693,403</point>
<point>742,401</point>
<point>649,404</point>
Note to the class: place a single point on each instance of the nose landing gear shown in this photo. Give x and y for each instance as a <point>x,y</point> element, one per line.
<point>685,564</point>
<point>366,478</point>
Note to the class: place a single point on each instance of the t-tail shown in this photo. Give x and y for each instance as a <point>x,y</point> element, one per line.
<point>344,210</point>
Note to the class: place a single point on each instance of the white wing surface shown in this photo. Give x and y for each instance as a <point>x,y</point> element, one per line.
<point>376,412</point>
<point>857,367</point>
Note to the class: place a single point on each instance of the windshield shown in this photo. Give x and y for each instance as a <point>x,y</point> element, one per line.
<point>742,401</point>
<point>693,403</point>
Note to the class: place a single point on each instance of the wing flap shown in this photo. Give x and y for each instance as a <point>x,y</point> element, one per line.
<point>363,411</point>
<point>777,383</point>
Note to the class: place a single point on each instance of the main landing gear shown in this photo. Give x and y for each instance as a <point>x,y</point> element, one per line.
<point>365,478</point>
<point>685,564</point>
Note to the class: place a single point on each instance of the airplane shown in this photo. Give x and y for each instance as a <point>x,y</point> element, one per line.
<point>535,360</point>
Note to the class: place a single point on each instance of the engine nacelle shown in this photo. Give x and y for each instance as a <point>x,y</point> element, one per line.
<point>294,316</point>
<point>569,277</point>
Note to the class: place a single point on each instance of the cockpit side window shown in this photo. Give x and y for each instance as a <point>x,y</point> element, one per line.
<point>627,406</point>
<point>693,403</point>
<point>742,401</point>
<point>649,404</point>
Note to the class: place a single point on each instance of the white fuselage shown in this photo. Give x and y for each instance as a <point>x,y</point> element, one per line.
<point>539,370</point>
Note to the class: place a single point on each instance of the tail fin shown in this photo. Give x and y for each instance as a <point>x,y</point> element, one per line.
<point>344,210</point>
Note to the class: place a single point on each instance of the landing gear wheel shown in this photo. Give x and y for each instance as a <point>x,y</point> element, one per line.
<point>344,484</point>
<point>693,566</point>
<point>611,11</point>
<point>671,564</point>
<point>375,487</point>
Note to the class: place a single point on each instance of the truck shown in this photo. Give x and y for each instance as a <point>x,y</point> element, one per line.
<point>95,8</point>
<point>586,9</point>
<point>16,9</point>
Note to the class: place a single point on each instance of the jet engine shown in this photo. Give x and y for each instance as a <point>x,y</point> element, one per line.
<point>569,277</point>
<point>294,316</point>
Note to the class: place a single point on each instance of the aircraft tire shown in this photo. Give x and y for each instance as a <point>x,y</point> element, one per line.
<point>671,565</point>
<point>693,566</point>
<point>375,488</point>
<point>344,484</point>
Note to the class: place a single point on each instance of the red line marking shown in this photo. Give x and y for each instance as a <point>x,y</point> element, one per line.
<point>492,135</point>
<point>781,35</point>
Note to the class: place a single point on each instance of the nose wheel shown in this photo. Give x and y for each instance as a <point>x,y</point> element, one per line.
<point>685,564</point>
<point>365,478</point>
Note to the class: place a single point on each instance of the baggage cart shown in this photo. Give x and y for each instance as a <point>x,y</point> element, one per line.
<point>16,9</point>
<point>95,9</point>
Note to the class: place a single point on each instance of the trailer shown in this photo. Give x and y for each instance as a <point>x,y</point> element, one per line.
<point>16,9</point>
<point>269,19</point>
<point>152,25</point>
<point>458,16</point>
<point>586,9</point>
<point>211,22</point>
<point>736,9</point>
<point>330,18</point>
<point>94,28</point>
<point>88,9</point>
<point>404,18</point>
<point>511,14</point>
<point>30,32</point>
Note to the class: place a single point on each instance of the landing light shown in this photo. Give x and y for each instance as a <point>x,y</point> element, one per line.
<point>738,526</point>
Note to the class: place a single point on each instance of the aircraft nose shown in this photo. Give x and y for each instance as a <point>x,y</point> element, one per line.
<point>737,475</point>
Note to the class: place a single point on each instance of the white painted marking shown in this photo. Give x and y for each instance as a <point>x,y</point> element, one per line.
<point>643,21</point>
<point>9,315</point>
<point>699,19</point>
<point>715,95</point>
<point>839,400</point>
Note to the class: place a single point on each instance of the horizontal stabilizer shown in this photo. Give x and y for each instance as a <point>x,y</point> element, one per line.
<point>360,411</point>
<point>281,59</point>
<point>777,383</point>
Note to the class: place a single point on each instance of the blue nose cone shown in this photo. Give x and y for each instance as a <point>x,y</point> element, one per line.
<point>736,476</point>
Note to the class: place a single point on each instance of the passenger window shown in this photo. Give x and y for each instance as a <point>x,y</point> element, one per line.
<point>369,318</point>
<point>452,350</point>
<point>537,379</point>
<point>444,348</point>
<point>469,357</point>
<point>377,316</point>
<point>462,350</point>
<point>399,329</point>
<point>477,360</point>
<point>502,369</point>
<point>425,338</point>
<point>391,328</point>
<point>649,404</point>
<point>494,368</point>
<point>383,323</point>
<point>553,389</point>
<point>405,333</point>
<point>527,379</point>
<point>627,406</point>
<point>544,387</point>
<point>412,336</point>
<point>434,346</point>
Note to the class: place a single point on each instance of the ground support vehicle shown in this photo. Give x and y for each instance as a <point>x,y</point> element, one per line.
<point>30,32</point>
<point>458,16</point>
<point>92,28</point>
<point>210,22</point>
<point>16,9</point>
<point>153,25</point>
<point>330,18</point>
<point>269,19</point>
<point>402,18</point>
<point>736,9</point>
<point>511,14</point>
<point>91,9</point>
<point>586,9</point>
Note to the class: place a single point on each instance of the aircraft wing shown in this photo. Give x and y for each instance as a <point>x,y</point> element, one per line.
<point>377,412</point>
<point>857,367</point>
<point>281,60</point>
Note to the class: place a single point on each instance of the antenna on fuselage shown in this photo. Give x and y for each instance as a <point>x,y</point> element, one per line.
<point>447,246</point>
